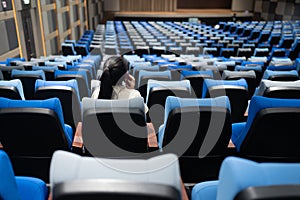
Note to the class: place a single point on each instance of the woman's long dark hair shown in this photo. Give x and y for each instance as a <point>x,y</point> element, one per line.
<point>113,74</point>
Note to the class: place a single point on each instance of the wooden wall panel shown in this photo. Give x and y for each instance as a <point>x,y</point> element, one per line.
<point>147,5</point>
<point>203,4</point>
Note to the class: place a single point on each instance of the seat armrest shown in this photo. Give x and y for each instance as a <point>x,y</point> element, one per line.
<point>32,188</point>
<point>152,139</point>
<point>77,145</point>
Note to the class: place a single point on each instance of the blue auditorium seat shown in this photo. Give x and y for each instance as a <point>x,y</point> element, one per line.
<point>81,49</point>
<point>261,52</point>
<point>68,94</point>
<point>227,52</point>
<point>12,61</point>
<point>268,118</point>
<point>28,79</point>
<point>281,75</point>
<point>196,79</point>
<point>179,118</point>
<point>19,187</point>
<point>286,42</point>
<point>97,178</point>
<point>68,49</point>
<point>145,75</point>
<point>295,49</point>
<point>211,51</point>
<point>80,76</point>
<point>277,52</point>
<point>279,89</point>
<point>281,64</point>
<point>157,93</point>
<point>238,174</point>
<point>274,39</point>
<point>187,131</point>
<point>6,71</point>
<point>114,128</point>
<point>236,90</point>
<point>176,70</point>
<point>48,70</point>
<point>31,131</point>
<point>12,89</point>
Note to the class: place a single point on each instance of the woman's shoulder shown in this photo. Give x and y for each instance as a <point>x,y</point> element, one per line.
<point>122,92</point>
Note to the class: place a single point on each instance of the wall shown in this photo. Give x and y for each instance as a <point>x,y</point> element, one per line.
<point>277,9</point>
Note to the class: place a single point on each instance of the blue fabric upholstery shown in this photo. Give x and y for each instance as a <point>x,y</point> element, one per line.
<point>40,73</point>
<point>53,104</point>
<point>24,188</point>
<point>281,68</point>
<point>89,103</point>
<point>8,60</point>
<point>70,47</point>
<point>205,190</point>
<point>176,102</point>
<point>16,83</point>
<point>134,64</point>
<point>257,68</point>
<point>265,84</point>
<point>185,73</point>
<point>82,73</point>
<point>70,83</point>
<point>157,74</point>
<point>232,179</point>
<point>149,57</point>
<point>268,73</point>
<point>250,63</point>
<point>210,82</point>
<point>258,103</point>
<point>175,67</point>
<point>167,84</point>
<point>44,68</point>
<point>60,65</point>
<point>145,67</point>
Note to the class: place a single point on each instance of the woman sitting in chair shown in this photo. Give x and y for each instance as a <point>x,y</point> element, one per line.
<point>116,82</point>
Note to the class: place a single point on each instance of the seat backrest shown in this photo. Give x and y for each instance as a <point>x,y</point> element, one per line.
<point>227,52</point>
<point>196,79</point>
<point>144,76</point>
<point>67,92</point>
<point>162,169</point>
<point>114,128</point>
<point>12,89</point>
<point>269,118</point>
<point>48,70</point>
<point>79,76</point>
<point>203,118</point>
<point>31,131</point>
<point>81,49</point>
<point>68,49</point>
<point>157,93</point>
<point>6,71</point>
<point>281,75</point>
<point>279,89</point>
<point>249,76</point>
<point>247,52</point>
<point>232,179</point>
<point>260,52</point>
<point>28,79</point>
<point>236,90</point>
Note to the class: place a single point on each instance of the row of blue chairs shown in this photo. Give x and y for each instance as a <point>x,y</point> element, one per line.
<point>80,47</point>
<point>187,38</point>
